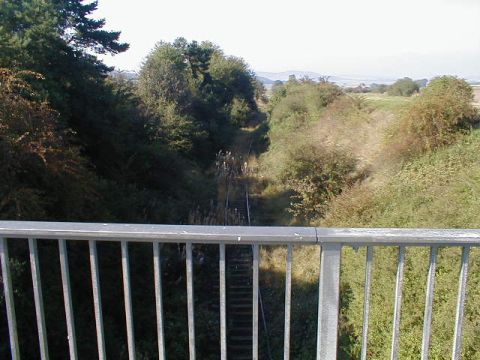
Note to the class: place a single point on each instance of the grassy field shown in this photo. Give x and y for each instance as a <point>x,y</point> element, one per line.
<point>384,101</point>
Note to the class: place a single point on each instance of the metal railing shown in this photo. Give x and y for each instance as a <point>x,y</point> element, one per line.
<point>331,241</point>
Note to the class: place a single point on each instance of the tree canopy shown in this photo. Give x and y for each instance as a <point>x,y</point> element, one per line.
<point>403,87</point>
<point>81,144</point>
<point>197,95</point>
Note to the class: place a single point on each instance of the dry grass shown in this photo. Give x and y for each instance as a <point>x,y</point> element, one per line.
<point>356,129</point>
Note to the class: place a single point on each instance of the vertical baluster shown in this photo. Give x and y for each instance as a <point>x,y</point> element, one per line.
<point>157,266</point>
<point>9,303</point>
<point>328,301</point>
<point>97,299</point>
<point>462,294</point>
<point>288,303</point>
<point>190,301</point>
<point>398,304</point>
<point>223,306</point>
<point>37,293</point>
<point>256,251</point>
<point>127,294</point>
<point>427,321</point>
<point>67,298</point>
<point>366,303</point>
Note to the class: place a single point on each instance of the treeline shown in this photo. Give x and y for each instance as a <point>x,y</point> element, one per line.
<point>129,152</point>
<point>402,87</point>
<point>79,144</point>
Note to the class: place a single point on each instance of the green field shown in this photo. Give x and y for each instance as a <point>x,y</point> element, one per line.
<point>384,101</point>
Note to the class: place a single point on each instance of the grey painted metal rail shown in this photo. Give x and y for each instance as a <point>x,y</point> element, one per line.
<point>366,301</point>
<point>157,269</point>
<point>331,241</point>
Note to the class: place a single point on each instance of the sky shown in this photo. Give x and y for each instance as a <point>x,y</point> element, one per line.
<point>394,38</point>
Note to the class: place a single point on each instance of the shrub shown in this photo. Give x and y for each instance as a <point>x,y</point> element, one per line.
<point>437,117</point>
<point>301,98</point>
<point>316,175</point>
<point>326,93</point>
<point>450,85</point>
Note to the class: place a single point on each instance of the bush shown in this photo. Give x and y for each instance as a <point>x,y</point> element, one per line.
<point>316,175</point>
<point>437,117</point>
<point>301,98</point>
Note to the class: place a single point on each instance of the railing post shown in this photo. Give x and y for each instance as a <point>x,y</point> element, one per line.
<point>38,298</point>
<point>9,303</point>
<point>398,304</point>
<point>223,305</point>
<point>157,272</point>
<point>462,295</point>
<point>288,303</point>
<point>190,301</point>
<point>127,294</point>
<point>67,298</point>
<point>255,277</point>
<point>366,302</point>
<point>97,299</point>
<point>328,302</point>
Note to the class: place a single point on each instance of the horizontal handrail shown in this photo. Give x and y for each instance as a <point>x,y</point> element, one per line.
<point>331,241</point>
<point>164,233</point>
<point>238,234</point>
<point>396,236</point>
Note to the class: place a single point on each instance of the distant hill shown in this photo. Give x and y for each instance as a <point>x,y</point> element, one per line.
<point>127,74</point>
<point>283,76</point>
<point>268,78</point>
<point>265,81</point>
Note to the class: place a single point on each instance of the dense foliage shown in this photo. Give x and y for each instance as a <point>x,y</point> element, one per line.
<point>416,165</point>
<point>81,144</point>
<point>197,95</point>
<point>316,175</point>
<point>437,117</point>
<point>403,87</point>
<point>43,175</point>
<point>308,174</point>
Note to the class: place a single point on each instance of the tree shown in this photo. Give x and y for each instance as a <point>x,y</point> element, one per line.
<point>37,27</point>
<point>378,88</point>
<point>235,76</point>
<point>421,83</point>
<point>58,39</point>
<point>197,95</point>
<point>403,87</point>
<point>164,78</point>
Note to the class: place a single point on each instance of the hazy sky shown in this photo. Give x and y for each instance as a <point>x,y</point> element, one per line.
<point>336,37</point>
